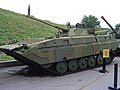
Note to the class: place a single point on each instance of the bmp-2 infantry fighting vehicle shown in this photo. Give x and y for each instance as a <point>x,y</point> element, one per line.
<point>73,49</point>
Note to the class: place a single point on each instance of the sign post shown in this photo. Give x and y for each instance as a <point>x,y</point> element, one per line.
<point>115,78</point>
<point>105,56</point>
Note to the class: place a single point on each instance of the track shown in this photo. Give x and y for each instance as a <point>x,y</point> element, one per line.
<point>37,67</point>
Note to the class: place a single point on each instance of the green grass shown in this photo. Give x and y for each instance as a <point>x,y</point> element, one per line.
<point>5,57</point>
<point>16,27</point>
<point>99,29</point>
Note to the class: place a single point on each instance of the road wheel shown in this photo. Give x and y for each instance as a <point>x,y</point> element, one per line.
<point>82,63</point>
<point>91,61</point>
<point>73,65</point>
<point>110,59</point>
<point>61,67</point>
<point>99,59</point>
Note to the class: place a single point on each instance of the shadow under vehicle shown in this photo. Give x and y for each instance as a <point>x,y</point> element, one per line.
<point>73,49</point>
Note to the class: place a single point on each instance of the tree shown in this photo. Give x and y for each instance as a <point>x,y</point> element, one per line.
<point>117,26</point>
<point>90,21</point>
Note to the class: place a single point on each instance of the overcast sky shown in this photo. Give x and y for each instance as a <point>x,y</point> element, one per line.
<point>62,11</point>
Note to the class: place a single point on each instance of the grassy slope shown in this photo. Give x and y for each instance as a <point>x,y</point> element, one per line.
<point>16,27</point>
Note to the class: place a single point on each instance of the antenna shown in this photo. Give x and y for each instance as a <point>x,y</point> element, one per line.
<point>29,10</point>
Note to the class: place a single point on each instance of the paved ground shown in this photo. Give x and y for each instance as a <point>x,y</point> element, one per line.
<point>9,81</point>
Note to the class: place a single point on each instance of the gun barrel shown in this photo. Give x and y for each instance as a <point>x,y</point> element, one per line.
<point>109,25</point>
<point>63,29</point>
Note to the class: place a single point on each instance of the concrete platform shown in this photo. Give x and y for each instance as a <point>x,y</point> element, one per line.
<point>86,80</point>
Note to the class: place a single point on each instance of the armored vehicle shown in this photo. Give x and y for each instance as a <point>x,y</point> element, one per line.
<point>73,49</point>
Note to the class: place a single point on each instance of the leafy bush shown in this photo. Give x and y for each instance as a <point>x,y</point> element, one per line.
<point>90,21</point>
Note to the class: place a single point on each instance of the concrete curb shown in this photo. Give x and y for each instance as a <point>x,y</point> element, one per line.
<point>9,63</point>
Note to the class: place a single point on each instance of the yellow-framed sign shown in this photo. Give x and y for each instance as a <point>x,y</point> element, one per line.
<point>106,53</point>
